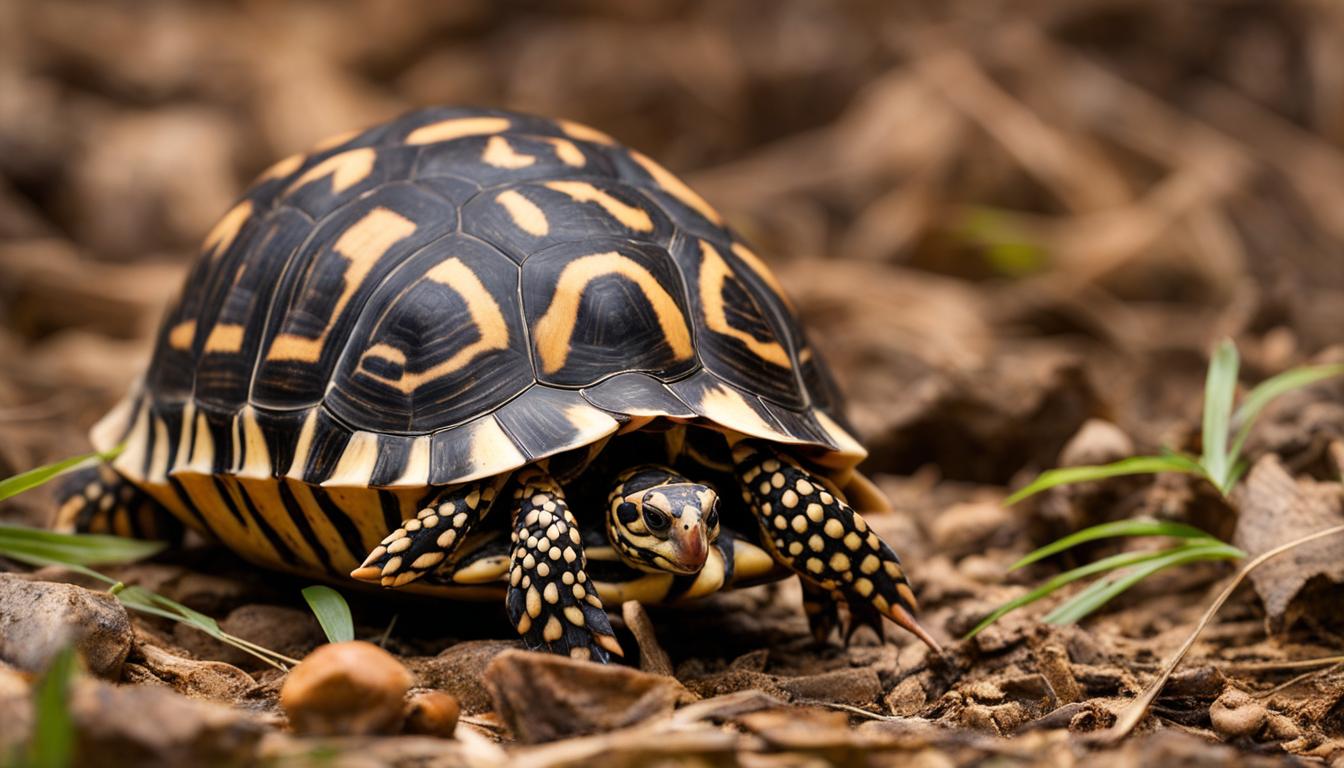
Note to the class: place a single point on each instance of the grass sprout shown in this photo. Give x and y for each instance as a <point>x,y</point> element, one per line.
<point>332,612</point>
<point>1224,431</point>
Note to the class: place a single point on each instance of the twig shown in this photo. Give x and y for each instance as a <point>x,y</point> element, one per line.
<point>1135,712</point>
<point>387,633</point>
<point>845,708</point>
<point>1270,666</point>
<point>1297,679</point>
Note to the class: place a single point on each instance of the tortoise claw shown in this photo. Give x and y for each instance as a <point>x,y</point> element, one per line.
<point>425,541</point>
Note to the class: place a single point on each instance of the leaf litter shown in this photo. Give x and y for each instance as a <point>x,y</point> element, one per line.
<point>1001,225</point>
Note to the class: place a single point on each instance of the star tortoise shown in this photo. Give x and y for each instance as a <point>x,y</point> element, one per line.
<point>478,353</point>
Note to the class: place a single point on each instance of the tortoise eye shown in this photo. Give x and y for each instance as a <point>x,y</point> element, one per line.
<point>656,519</point>
<point>712,519</point>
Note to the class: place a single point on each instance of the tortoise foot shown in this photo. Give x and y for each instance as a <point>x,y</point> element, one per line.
<point>550,599</point>
<point>423,542</point>
<point>810,528</point>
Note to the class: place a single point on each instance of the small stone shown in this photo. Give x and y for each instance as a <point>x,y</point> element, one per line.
<point>432,713</point>
<point>969,527</point>
<point>1096,442</point>
<point>1236,714</point>
<point>39,618</point>
<point>352,688</point>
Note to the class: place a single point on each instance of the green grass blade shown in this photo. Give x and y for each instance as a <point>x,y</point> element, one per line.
<point>332,612</point>
<point>1187,463</point>
<point>145,601</point>
<point>1265,393</point>
<point>1220,388</point>
<point>1105,590</point>
<point>1122,560</point>
<point>1135,465</point>
<point>23,543</point>
<point>53,740</point>
<point>1112,530</point>
<point>24,481</point>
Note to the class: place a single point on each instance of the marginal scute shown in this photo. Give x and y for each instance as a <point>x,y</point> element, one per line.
<point>255,461</point>
<point>731,407</point>
<point>639,395</point>
<point>112,428</point>
<point>356,463</point>
<point>471,451</point>
<point>131,427</point>
<point>545,421</point>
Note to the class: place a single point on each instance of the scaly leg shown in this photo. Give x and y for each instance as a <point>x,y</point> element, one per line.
<point>550,600</point>
<point>812,531</point>
<point>95,499</point>
<point>423,542</point>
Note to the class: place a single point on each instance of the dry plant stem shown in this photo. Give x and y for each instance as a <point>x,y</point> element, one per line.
<point>1271,666</point>
<point>1299,678</point>
<point>1134,713</point>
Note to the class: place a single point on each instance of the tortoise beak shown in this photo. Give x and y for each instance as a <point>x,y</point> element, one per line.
<point>690,546</point>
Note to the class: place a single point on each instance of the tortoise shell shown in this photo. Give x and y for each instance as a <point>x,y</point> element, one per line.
<point>444,297</point>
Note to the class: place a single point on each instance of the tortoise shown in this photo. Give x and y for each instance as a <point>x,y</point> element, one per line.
<point>474,353</point>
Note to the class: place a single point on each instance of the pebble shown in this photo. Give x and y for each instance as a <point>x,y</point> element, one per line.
<point>353,689</point>
<point>39,618</point>
<point>432,713</point>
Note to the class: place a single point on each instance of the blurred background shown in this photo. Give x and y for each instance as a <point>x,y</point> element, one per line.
<point>999,219</point>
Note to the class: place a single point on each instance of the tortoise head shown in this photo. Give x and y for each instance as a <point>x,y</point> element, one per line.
<point>666,527</point>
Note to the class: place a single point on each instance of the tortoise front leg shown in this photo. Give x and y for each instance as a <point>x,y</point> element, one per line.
<point>551,601</point>
<point>423,542</point>
<point>811,530</point>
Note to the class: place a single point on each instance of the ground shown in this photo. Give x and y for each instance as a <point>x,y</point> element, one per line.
<point>1015,232</point>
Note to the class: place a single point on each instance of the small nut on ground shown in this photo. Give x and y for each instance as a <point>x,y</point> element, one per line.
<point>353,688</point>
<point>432,713</point>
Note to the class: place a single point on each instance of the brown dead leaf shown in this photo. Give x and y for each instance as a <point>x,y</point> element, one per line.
<point>1275,509</point>
<point>543,697</point>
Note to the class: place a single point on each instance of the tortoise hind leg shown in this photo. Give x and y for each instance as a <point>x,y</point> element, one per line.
<point>811,530</point>
<point>95,499</point>
<point>550,599</point>
<point>423,542</point>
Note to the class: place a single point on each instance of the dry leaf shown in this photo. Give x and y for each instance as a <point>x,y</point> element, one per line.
<point>1275,509</point>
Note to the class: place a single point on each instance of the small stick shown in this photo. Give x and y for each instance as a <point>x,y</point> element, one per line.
<point>1134,713</point>
<point>652,657</point>
<point>1271,666</point>
<point>1299,678</point>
